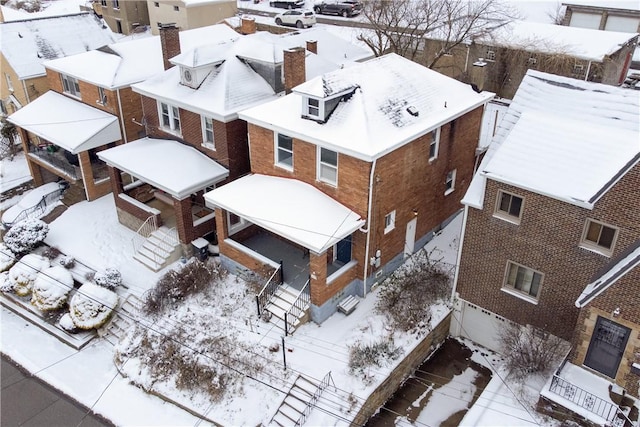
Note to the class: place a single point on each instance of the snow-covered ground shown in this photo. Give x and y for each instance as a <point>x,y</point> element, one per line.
<point>15,172</point>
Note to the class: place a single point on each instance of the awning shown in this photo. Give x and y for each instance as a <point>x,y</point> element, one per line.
<point>169,165</point>
<point>289,208</point>
<point>67,123</point>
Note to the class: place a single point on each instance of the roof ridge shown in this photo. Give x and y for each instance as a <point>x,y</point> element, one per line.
<point>39,18</point>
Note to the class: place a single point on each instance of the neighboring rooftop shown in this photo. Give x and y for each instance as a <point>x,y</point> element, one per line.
<point>375,119</point>
<point>26,44</point>
<point>631,5</point>
<point>564,138</point>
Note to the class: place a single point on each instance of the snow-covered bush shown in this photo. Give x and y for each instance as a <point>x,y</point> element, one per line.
<point>51,252</point>
<point>378,354</point>
<point>26,235</point>
<point>92,306</point>
<point>109,279</point>
<point>51,288</point>
<point>7,258</point>
<point>67,262</point>
<point>67,324</point>
<point>6,284</point>
<point>23,273</point>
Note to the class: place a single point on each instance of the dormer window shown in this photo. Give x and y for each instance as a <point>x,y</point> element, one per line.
<point>314,108</point>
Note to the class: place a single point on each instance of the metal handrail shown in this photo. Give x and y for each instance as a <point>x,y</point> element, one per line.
<point>167,242</point>
<point>314,399</point>
<point>52,159</point>
<point>269,289</point>
<point>583,398</point>
<point>300,304</point>
<point>143,232</point>
<point>40,206</point>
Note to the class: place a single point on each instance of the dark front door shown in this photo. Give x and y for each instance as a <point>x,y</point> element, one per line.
<point>344,250</point>
<point>607,346</point>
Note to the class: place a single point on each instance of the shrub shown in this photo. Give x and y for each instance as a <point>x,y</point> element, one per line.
<point>407,295</point>
<point>377,354</point>
<point>25,272</point>
<point>26,235</point>
<point>51,288</point>
<point>51,252</point>
<point>6,284</point>
<point>68,262</point>
<point>109,279</point>
<point>67,324</point>
<point>92,306</point>
<point>7,258</point>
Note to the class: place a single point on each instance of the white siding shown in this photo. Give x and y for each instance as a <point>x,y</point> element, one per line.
<point>585,20</point>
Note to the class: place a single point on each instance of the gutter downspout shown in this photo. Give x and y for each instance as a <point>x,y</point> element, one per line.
<point>466,61</point>
<point>368,230</point>
<point>124,132</point>
<point>458,330</point>
<point>26,92</point>
<point>586,76</point>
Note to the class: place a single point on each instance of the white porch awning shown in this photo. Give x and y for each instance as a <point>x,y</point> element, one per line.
<point>289,208</point>
<point>67,123</point>
<point>169,165</point>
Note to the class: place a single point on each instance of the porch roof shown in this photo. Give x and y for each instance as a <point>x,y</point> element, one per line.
<point>169,165</point>
<point>289,208</point>
<point>67,123</point>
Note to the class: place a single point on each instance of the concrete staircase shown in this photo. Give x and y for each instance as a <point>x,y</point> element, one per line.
<point>283,302</point>
<point>294,404</point>
<point>161,248</point>
<point>126,315</point>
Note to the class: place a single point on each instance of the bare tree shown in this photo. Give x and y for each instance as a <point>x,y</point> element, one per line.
<point>401,26</point>
<point>556,15</point>
<point>8,133</point>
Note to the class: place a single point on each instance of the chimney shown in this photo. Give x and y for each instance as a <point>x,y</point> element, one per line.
<point>478,74</point>
<point>294,67</point>
<point>247,25</point>
<point>312,46</point>
<point>170,41</point>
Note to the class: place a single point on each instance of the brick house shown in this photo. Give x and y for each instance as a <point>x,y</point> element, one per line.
<point>195,103</point>
<point>551,205</point>
<point>350,173</point>
<point>27,44</point>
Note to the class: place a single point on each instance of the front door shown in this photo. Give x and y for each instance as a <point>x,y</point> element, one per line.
<point>607,347</point>
<point>410,238</point>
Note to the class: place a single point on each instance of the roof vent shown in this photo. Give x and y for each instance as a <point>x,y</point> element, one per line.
<point>413,111</point>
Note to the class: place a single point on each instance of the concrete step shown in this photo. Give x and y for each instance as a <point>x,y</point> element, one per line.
<point>301,394</point>
<point>290,412</point>
<point>283,421</point>
<point>161,250</point>
<point>296,403</point>
<point>149,263</point>
<point>158,255</point>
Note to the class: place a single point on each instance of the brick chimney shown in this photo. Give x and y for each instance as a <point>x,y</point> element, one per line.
<point>247,25</point>
<point>294,67</point>
<point>170,41</point>
<point>312,46</point>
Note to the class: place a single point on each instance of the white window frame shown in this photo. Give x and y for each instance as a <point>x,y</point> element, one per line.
<point>491,55</point>
<point>389,221</point>
<point>9,82</point>
<point>116,4</point>
<point>70,85</point>
<point>325,165</point>
<point>595,246</point>
<point>277,149</point>
<point>240,225</point>
<point>173,113</point>
<point>206,142</point>
<point>435,143</point>
<point>506,215</point>
<point>102,96</point>
<point>450,182</point>
<point>316,112</point>
<point>520,293</point>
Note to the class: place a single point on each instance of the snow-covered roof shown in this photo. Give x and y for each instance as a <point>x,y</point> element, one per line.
<point>26,44</point>
<point>305,216</point>
<point>196,3</point>
<point>563,138</point>
<point>154,161</point>
<point>67,123</point>
<point>125,63</point>
<point>374,120</point>
<point>610,276</point>
<point>583,43</point>
<point>608,4</point>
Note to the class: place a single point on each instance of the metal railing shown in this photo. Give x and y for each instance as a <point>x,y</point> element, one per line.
<point>144,231</point>
<point>39,207</point>
<point>297,308</point>
<point>269,289</point>
<point>55,160</point>
<point>326,381</point>
<point>167,244</point>
<point>584,399</point>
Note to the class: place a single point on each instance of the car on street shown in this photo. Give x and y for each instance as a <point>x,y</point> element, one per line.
<point>297,18</point>
<point>346,8</point>
<point>287,4</point>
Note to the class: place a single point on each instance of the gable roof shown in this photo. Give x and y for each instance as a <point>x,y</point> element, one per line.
<point>615,271</point>
<point>374,120</point>
<point>123,64</point>
<point>26,44</point>
<point>563,138</point>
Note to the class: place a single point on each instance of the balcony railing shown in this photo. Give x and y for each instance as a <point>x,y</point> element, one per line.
<point>56,160</point>
<point>584,399</point>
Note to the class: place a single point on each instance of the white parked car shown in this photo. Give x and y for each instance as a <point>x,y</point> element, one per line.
<point>298,18</point>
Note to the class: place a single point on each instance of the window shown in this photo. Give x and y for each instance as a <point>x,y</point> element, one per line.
<point>389,222</point>
<point>450,182</point>
<point>118,26</point>
<point>328,166</point>
<point>313,107</point>
<point>509,206</point>
<point>169,117</point>
<point>235,223</point>
<point>116,4</point>
<point>491,55</point>
<point>284,151</point>
<point>9,82</point>
<point>207,133</point>
<point>102,97</point>
<point>156,4</point>
<point>599,236</point>
<point>70,85</point>
<point>434,143</point>
<point>176,8</point>
<point>578,69</point>
<point>103,3</point>
<point>523,280</point>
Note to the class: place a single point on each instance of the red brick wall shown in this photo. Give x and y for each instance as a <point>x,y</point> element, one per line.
<point>547,239</point>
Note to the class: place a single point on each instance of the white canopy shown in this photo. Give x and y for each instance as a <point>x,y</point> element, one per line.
<point>169,165</point>
<point>67,123</point>
<point>289,208</point>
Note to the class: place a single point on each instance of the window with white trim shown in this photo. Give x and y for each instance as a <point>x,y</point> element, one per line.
<point>284,151</point>
<point>235,223</point>
<point>9,82</point>
<point>103,3</point>
<point>70,85</point>
<point>313,108</point>
<point>169,117</point>
<point>328,166</point>
<point>599,236</point>
<point>208,138</point>
<point>523,280</point>
<point>102,96</point>
<point>491,55</point>
<point>116,4</point>
<point>434,144</point>
<point>450,182</point>
<point>509,206</point>
<point>389,221</point>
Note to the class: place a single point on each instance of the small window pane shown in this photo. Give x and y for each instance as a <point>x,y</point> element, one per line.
<point>606,237</point>
<point>328,156</point>
<point>593,232</point>
<point>329,173</point>
<point>285,157</point>
<point>516,204</point>
<point>285,142</point>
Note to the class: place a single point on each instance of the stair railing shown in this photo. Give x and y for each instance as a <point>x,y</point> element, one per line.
<point>326,381</point>
<point>143,233</point>
<point>269,289</point>
<point>167,243</point>
<point>298,307</point>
